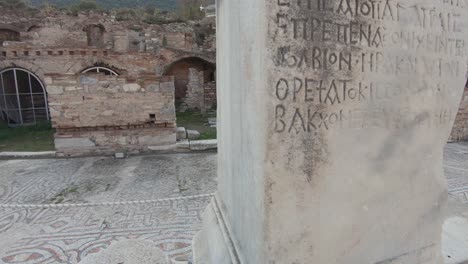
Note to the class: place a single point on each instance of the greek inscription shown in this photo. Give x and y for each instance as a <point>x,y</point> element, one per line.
<point>421,15</point>
<point>319,30</point>
<point>338,91</point>
<point>308,120</point>
<point>335,45</point>
<point>315,57</point>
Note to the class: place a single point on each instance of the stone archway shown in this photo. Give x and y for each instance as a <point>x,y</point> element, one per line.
<point>9,33</point>
<point>23,97</point>
<point>195,83</point>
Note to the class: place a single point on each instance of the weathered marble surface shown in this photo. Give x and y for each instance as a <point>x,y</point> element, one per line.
<point>333,115</point>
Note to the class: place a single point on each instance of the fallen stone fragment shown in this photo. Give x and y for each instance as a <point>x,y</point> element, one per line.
<point>204,144</point>
<point>193,134</point>
<point>181,133</point>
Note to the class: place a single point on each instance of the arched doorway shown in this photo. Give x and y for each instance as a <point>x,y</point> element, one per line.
<point>23,98</point>
<point>191,75</point>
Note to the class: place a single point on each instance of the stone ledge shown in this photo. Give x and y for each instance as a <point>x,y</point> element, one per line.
<point>27,154</point>
<point>198,145</point>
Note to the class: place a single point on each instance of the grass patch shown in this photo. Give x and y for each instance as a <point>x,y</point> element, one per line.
<point>211,134</point>
<point>196,121</point>
<point>39,137</point>
<point>60,197</point>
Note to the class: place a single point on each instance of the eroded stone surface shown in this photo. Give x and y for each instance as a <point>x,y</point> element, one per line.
<point>351,102</point>
<point>130,251</point>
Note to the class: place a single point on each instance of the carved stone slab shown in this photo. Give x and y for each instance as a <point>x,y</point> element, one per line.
<point>333,116</point>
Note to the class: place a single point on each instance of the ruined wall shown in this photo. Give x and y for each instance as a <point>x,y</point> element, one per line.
<point>9,35</point>
<point>99,114</point>
<point>201,94</point>
<point>104,31</point>
<point>460,128</point>
<point>210,94</point>
<point>190,76</point>
<point>74,60</point>
<point>194,98</point>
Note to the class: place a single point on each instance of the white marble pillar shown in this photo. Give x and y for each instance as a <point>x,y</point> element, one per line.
<point>332,119</point>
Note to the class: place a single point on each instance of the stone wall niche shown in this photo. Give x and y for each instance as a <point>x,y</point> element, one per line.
<point>193,76</point>
<point>95,35</point>
<point>8,35</point>
<point>332,119</point>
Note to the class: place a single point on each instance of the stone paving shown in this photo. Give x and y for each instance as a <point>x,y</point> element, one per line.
<point>456,170</point>
<point>67,235</point>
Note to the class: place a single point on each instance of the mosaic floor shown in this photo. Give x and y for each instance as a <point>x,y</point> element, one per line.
<point>456,170</point>
<point>66,235</point>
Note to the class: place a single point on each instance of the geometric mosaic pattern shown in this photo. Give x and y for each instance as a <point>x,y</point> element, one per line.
<point>67,235</point>
<point>456,170</point>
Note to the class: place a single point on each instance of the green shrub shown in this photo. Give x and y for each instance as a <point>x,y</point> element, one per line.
<point>190,10</point>
<point>125,14</point>
<point>84,6</point>
<point>16,4</point>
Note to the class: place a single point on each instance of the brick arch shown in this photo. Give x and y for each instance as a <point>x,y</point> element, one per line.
<point>182,69</point>
<point>102,64</point>
<point>31,67</point>
<point>9,33</point>
<point>33,105</point>
<point>106,62</point>
<point>10,27</point>
<point>179,59</point>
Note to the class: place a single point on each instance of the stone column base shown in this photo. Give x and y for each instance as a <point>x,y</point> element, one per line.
<point>213,244</point>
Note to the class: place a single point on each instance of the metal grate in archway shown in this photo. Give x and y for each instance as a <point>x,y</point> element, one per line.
<point>23,98</point>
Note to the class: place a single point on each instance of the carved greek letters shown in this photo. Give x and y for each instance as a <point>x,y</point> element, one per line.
<point>345,64</point>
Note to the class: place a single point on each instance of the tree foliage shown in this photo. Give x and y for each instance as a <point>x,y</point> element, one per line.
<point>148,11</point>
<point>190,9</point>
<point>84,6</point>
<point>169,5</point>
<point>17,4</point>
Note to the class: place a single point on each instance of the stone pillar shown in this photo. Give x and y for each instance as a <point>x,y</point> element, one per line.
<point>332,119</point>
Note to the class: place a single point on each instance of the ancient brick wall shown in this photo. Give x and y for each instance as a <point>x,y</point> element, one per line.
<point>209,96</point>
<point>96,114</point>
<point>201,95</point>
<point>194,96</point>
<point>99,114</point>
<point>460,128</point>
<point>103,31</point>
<point>9,35</point>
<point>74,60</point>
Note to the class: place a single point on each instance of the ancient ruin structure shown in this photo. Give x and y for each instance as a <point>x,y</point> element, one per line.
<point>333,116</point>
<point>105,85</point>
<point>460,128</point>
